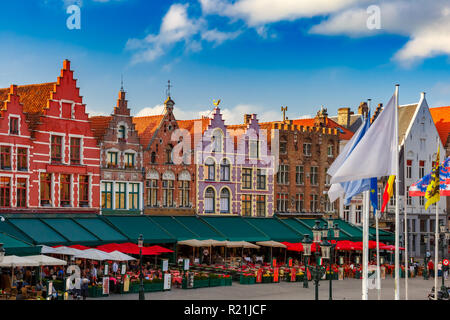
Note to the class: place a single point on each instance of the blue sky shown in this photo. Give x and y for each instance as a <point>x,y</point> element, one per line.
<point>254,55</point>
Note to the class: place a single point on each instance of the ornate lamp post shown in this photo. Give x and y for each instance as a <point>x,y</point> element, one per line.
<point>444,235</point>
<point>317,272</point>
<point>141,274</point>
<point>336,233</point>
<point>306,242</point>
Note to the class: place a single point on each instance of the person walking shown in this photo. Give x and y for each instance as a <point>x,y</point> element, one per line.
<point>431,268</point>
<point>84,286</point>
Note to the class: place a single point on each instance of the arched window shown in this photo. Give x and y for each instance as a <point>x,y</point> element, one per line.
<point>211,169</point>
<point>210,197</point>
<point>224,201</point>
<point>225,170</point>
<point>217,140</point>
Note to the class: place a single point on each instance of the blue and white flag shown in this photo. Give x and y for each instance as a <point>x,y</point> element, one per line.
<point>351,188</point>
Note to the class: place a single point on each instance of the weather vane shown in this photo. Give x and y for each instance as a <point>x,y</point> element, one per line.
<point>168,88</point>
<point>216,103</point>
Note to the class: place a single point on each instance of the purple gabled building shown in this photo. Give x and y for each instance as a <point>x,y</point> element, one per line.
<point>235,169</point>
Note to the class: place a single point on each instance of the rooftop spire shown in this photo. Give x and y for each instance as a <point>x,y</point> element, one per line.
<point>121,82</point>
<point>168,89</point>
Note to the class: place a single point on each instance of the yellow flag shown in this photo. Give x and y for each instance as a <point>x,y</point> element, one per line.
<point>432,194</point>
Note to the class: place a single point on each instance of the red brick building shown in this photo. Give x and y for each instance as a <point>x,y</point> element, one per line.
<point>169,170</point>
<point>121,160</point>
<point>307,147</point>
<point>49,156</point>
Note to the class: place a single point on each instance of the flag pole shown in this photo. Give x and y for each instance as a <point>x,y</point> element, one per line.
<point>406,218</point>
<point>378,257</point>
<point>366,246</point>
<point>436,239</point>
<point>397,213</point>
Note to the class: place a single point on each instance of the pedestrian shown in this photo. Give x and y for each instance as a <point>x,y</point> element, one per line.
<point>84,286</point>
<point>431,267</point>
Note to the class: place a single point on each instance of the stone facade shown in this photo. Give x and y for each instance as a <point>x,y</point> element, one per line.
<point>234,169</point>
<point>307,147</point>
<point>121,160</point>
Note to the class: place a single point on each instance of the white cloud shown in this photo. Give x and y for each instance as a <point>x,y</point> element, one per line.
<point>218,36</point>
<point>233,115</point>
<point>258,12</point>
<point>425,23</point>
<point>94,113</point>
<point>176,26</point>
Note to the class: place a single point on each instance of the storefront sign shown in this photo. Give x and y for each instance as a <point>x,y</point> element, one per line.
<point>186,264</point>
<point>293,274</point>
<point>259,275</point>
<point>275,275</point>
<point>341,273</point>
<point>50,288</point>
<point>274,263</point>
<point>105,285</point>
<point>167,281</point>
<point>106,269</point>
<point>126,284</point>
<point>290,262</point>
<point>165,265</point>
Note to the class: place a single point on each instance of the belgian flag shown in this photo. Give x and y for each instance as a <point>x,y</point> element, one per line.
<point>388,192</point>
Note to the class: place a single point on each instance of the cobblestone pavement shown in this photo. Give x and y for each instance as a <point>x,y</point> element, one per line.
<point>348,289</point>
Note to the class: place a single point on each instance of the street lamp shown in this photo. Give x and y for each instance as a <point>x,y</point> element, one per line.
<point>141,274</point>
<point>317,232</point>
<point>443,237</point>
<point>306,242</point>
<point>328,251</point>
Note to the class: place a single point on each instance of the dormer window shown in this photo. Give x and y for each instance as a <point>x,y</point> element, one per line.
<point>13,125</point>
<point>122,132</point>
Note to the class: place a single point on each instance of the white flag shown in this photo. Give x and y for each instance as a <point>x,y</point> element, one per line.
<point>374,155</point>
<point>336,191</point>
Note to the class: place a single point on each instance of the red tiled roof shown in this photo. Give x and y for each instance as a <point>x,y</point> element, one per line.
<point>441,118</point>
<point>189,125</point>
<point>99,124</point>
<point>146,127</point>
<point>34,97</point>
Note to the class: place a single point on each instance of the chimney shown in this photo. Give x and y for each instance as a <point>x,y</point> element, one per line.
<point>247,118</point>
<point>363,109</point>
<point>344,117</point>
<point>321,118</point>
